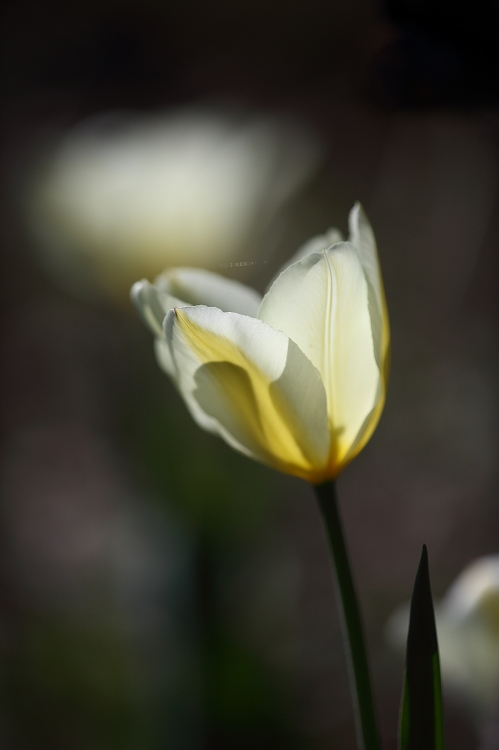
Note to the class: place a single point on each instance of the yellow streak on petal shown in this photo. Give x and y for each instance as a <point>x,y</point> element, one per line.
<point>255,405</point>
<point>373,418</point>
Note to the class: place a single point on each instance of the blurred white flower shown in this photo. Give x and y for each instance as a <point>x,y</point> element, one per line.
<point>121,197</point>
<point>468,635</point>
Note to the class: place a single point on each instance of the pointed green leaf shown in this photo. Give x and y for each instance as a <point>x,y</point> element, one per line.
<point>421,718</point>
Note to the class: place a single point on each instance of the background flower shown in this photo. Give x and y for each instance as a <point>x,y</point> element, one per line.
<point>468,634</point>
<point>122,196</point>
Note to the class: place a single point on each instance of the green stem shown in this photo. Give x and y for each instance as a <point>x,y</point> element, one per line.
<point>367,729</point>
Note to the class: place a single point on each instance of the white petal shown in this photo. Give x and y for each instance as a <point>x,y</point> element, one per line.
<point>164,357</point>
<point>315,245</point>
<point>362,236</point>
<point>253,386</point>
<point>321,303</point>
<point>152,304</point>
<point>199,287</point>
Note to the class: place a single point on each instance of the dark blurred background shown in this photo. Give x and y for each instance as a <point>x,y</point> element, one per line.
<point>157,589</point>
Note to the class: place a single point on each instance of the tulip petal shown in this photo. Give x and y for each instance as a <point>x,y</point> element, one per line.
<point>164,357</point>
<point>314,245</point>
<point>362,237</point>
<point>321,303</point>
<point>253,386</point>
<point>152,305</point>
<point>199,287</point>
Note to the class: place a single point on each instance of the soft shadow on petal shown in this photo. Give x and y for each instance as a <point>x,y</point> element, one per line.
<point>365,430</point>
<point>300,399</point>
<point>199,287</point>
<point>164,357</point>
<point>225,392</point>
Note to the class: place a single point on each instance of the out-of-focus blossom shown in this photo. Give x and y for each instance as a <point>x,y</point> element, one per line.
<point>468,635</point>
<point>121,197</point>
<point>296,380</point>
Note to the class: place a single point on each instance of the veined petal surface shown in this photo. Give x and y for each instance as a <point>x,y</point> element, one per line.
<point>252,385</point>
<point>314,245</point>
<point>199,287</point>
<point>321,303</point>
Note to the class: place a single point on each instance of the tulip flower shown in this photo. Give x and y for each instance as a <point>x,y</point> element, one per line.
<point>468,633</point>
<point>123,196</point>
<point>296,380</point>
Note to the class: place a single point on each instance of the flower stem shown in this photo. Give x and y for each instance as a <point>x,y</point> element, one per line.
<point>366,724</point>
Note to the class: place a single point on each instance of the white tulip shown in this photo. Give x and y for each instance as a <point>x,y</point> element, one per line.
<point>468,634</point>
<point>296,380</point>
<point>121,197</point>
<point>468,620</point>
